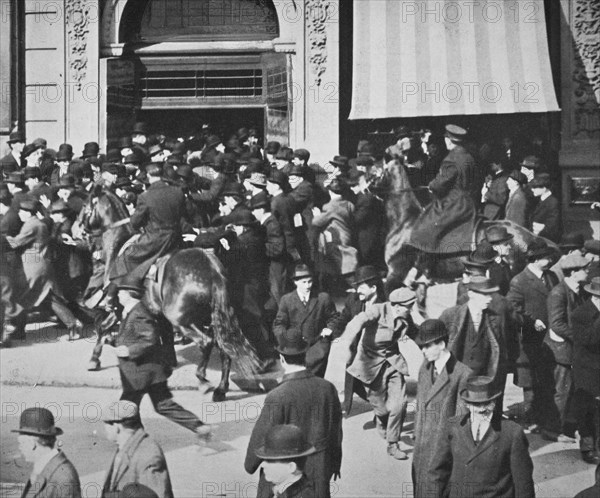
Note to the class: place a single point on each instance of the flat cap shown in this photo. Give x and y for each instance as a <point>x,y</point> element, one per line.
<point>574,261</point>
<point>402,295</point>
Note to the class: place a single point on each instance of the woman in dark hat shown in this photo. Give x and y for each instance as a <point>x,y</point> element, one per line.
<point>546,220</point>
<point>517,204</point>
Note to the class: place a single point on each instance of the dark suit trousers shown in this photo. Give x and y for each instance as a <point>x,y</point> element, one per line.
<point>587,414</point>
<point>163,403</point>
<point>387,396</point>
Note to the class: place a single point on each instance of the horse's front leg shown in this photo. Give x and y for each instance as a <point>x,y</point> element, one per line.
<point>221,390</point>
<point>94,363</point>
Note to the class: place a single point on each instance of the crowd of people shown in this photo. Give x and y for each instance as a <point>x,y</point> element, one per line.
<point>292,236</point>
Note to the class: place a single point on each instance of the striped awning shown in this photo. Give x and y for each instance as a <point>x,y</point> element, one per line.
<point>450,57</point>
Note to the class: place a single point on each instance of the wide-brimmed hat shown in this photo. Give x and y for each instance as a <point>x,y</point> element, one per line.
<point>498,235</point>
<point>285,154</point>
<point>37,422</point>
<point>29,149</point>
<point>403,296</point>
<point>541,180</point>
<point>531,162</point>
<point>572,241</point>
<point>456,133</point>
<point>30,204</point>
<point>302,154</point>
<point>284,442</point>
<point>431,331</point>
<point>366,274</point>
<point>15,177</point>
<point>593,287</point>
<point>340,161</point>
<point>16,136</point>
<point>90,149</point>
<point>539,249</point>
<point>272,148</point>
<point>260,200</point>
<point>140,128</point>
<point>482,285</point>
<point>302,271</point>
<point>59,206</point>
<point>592,246</point>
<point>518,176</point>
<point>573,262</point>
<point>258,179</point>
<point>480,389</point>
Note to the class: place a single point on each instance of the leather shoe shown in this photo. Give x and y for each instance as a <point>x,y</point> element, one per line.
<point>394,450</point>
<point>589,457</point>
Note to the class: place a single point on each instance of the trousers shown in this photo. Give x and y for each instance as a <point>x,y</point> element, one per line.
<point>387,396</point>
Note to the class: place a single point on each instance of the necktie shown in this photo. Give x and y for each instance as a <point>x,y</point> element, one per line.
<point>478,434</point>
<point>546,280</point>
<point>435,374</point>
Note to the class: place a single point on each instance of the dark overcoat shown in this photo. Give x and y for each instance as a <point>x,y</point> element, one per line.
<point>498,467</point>
<point>8,164</point>
<point>586,348</point>
<point>496,197</point>
<point>283,208</point>
<point>436,402</point>
<point>517,209</point>
<point>369,226</point>
<point>58,479</point>
<point>141,461</point>
<point>470,178</point>
<point>312,404</point>
<point>547,213</point>
<point>319,313</point>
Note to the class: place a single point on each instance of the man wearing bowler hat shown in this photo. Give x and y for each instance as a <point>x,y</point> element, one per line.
<point>379,364</point>
<point>441,380</point>
<point>507,263</point>
<point>138,458</point>
<point>585,321</point>
<point>284,457</point>
<point>313,314</point>
<point>53,475</point>
<point>12,161</point>
<point>482,455</point>
<point>310,403</point>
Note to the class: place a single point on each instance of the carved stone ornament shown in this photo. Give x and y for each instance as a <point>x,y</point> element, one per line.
<point>586,73</point>
<point>317,16</point>
<point>78,20</point>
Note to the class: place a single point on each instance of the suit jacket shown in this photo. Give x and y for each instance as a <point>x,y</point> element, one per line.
<point>274,240</point>
<point>547,212</point>
<point>141,461</point>
<point>378,345</point>
<point>586,348</point>
<point>9,164</point>
<point>469,178</point>
<point>283,208</point>
<point>499,466</point>
<point>435,404</point>
<point>496,197</point>
<point>312,404</point>
<point>58,479</point>
<point>304,199</point>
<point>561,303</point>
<point>501,274</point>
<point>517,209</point>
<point>300,489</point>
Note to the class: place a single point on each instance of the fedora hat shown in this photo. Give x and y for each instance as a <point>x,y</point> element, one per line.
<point>260,200</point>
<point>539,249</point>
<point>302,154</point>
<point>37,422</point>
<point>518,176</point>
<point>541,180</point>
<point>40,143</point>
<point>302,271</point>
<point>480,389</point>
<point>120,411</point>
<point>258,179</point>
<point>483,255</point>
<point>59,206</point>
<point>531,162</point>
<point>593,287</point>
<point>16,136</point>
<point>482,285</point>
<point>272,148</point>
<point>340,161</point>
<point>498,235</point>
<point>366,274</point>
<point>291,343</point>
<point>29,204</point>
<point>403,296</point>
<point>572,241</point>
<point>431,331</point>
<point>455,133</point>
<point>592,246</point>
<point>90,149</point>
<point>285,154</point>
<point>284,442</point>
<point>140,128</point>
<point>15,177</point>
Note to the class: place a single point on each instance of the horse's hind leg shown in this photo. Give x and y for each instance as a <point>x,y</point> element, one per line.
<point>221,390</point>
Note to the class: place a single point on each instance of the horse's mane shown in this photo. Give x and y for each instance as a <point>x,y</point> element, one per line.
<point>112,206</point>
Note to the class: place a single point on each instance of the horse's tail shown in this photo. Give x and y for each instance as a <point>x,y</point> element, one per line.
<point>226,328</point>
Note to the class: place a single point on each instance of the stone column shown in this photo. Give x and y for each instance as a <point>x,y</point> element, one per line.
<point>580,147</point>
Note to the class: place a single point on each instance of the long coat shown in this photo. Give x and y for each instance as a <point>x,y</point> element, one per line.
<point>159,212</point>
<point>435,404</point>
<point>312,404</point>
<point>528,296</point>
<point>141,461</point>
<point>335,253</point>
<point>496,197</point>
<point>586,348</point>
<point>319,313</point>
<point>517,208</point>
<point>369,221</point>
<point>283,208</point>
<point>469,177</point>
<point>58,479</point>
<point>547,213</point>
<point>498,467</point>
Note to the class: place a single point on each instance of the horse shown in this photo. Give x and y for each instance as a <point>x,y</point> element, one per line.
<point>192,295</point>
<point>403,210</point>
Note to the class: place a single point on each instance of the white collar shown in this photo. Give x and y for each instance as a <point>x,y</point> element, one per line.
<point>572,285</point>
<point>16,155</point>
<point>536,271</point>
<point>440,363</point>
<point>40,464</point>
<point>265,217</point>
<point>545,195</point>
<point>475,312</point>
<point>280,488</point>
<point>303,296</point>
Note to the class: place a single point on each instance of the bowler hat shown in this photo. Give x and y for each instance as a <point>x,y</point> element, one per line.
<point>340,161</point>
<point>480,389</point>
<point>37,422</point>
<point>131,284</point>
<point>114,155</point>
<point>336,186</point>
<point>260,200</point>
<point>120,411</point>
<point>541,180</point>
<point>572,241</point>
<point>140,128</point>
<point>67,148</point>
<point>302,271</point>
<point>403,296</point>
<point>285,154</point>
<point>366,274</point>
<point>431,331</point>
<point>498,235</point>
<point>539,249</point>
<point>284,442</point>
<point>212,141</point>
<point>90,149</point>
<point>125,142</point>
<point>280,178</point>
<point>483,255</point>
<point>518,176</point>
<point>531,162</point>
<point>66,181</point>
<point>482,285</point>
<point>258,179</point>
<point>16,136</point>
<point>272,148</point>
<point>573,262</point>
<point>185,171</point>
<point>136,157</point>
<point>302,154</point>
<point>233,189</point>
<point>32,172</point>
<point>296,170</point>
<point>40,143</point>
<point>29,204</point>
<point>59,206</point>
<point>592,246</point>
<point>455,133</point>
<point>123,182</point>
<point>15,177</point>
<point>593,287</point>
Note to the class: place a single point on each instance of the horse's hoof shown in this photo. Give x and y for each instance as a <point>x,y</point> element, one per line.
<point>218,396</point>
<point>93,366</point>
